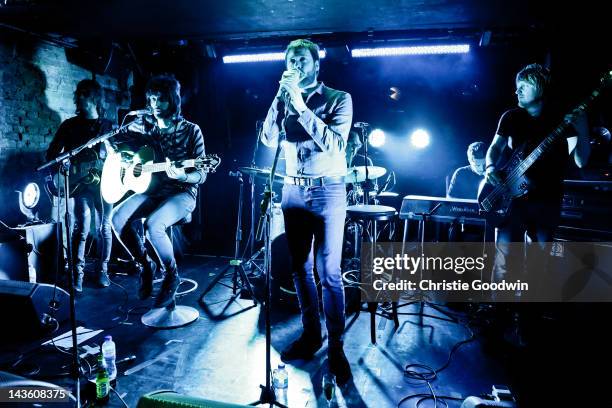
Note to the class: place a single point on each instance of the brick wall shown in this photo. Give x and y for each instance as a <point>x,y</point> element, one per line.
<point>37,82</point>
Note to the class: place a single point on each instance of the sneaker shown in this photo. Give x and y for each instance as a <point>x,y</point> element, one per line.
<point>169,285</point>
<point>304,348</point>
<point>339,365</point>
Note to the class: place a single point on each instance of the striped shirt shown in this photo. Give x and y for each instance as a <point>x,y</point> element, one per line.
<point>186,142</point>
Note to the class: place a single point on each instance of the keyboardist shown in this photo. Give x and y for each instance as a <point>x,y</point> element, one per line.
<point>466,180</point>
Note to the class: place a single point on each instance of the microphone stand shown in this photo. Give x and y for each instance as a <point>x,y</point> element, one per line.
<point>63,162</point>
<point>268,396</point>
<point>366,185</point>
<point>258,128</point>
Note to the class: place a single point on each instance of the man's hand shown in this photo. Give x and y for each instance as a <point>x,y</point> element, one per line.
<point>493,176</point>
<point>289,86</point>
<point>579,120</point>
<point>176,173</point>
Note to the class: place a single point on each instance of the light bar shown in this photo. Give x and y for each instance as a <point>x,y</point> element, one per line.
<point>269,56</point>
<point>414,50</point>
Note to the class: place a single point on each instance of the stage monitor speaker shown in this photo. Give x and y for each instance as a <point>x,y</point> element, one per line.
<point>29,253</point>
<point>171,399</point>
<point>28,309</point>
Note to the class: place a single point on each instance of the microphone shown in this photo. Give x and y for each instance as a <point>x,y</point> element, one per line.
<point>140,112</point>
<point>360,125</point>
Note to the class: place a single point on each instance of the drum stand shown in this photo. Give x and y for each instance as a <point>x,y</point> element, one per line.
<point>446,316</point>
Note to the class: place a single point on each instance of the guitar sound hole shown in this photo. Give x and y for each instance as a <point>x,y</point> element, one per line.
<point>138,170</point>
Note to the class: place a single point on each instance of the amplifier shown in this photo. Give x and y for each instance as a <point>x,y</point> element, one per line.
<point>586,210</point>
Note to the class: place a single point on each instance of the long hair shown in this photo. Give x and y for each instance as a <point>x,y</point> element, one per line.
<point>89,88</point>
<point>169,88</point>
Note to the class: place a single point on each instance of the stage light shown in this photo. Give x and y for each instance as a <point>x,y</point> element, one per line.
<point>376,138</point>
<point>413,50</point>
<point>260,57</point>
<point>31,195</point>
<point>420,138</point>
<point>28,199</point>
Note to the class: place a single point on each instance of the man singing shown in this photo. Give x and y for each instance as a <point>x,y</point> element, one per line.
<point>312,121</point>
<point>172,195</point>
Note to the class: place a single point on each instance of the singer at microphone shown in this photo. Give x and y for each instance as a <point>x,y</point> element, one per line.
<point>316,121</point>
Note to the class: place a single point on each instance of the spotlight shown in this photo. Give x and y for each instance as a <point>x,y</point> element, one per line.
<point>376,138</point>
<point>260,57</point>
<point>420,138</point>
<point>28,199</point>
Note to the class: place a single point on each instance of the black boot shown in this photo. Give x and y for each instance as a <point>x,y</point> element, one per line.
<point>338,364</point>
<point>168,288</point>
<point>146,273</point>
<point>304,348</point>
<point>102,279</point>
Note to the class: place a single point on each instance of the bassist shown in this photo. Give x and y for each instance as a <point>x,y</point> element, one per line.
<point>534,216</point>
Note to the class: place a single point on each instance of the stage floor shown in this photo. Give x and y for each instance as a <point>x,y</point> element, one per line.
<point>221,357</point>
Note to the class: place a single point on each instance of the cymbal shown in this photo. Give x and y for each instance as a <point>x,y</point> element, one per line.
<point>357,174</point>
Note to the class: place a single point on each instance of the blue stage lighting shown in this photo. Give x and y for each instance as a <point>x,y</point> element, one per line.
<point>413,50</point>
<point>420,138</point>
<point>376,138</point>
<point>261,57</point>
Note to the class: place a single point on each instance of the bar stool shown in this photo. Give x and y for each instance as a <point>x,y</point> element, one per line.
<point>173,315</point>
<point>372,215</point>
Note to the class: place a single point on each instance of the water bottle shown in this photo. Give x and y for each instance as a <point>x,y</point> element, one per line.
<point>109,352</point>
<point>102,381</point>
<point>280,377</point>
<point>329,386</point>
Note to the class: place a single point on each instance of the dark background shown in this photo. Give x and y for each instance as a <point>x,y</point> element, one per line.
<point>457,98</point>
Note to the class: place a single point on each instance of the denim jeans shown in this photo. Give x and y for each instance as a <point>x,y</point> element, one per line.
<point>85,204</point>
<point>160,213</point>
<point>532,224</point>
<point>314,226</point>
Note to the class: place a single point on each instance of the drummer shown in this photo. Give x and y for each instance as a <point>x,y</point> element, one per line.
<point>353,159</point>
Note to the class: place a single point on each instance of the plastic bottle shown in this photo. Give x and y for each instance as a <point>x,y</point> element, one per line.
<point>329,386</point>
<point>102,381</point>
<point>110,353</point>
<point>280,377</point>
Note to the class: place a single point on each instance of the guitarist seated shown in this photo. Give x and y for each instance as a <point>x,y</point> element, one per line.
<point>172,195</point>
<point>533,217</point>
<point>84,186</point>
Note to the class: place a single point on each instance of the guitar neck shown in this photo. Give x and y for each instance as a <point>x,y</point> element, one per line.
<point>157,167</point>
<point>548,142</point>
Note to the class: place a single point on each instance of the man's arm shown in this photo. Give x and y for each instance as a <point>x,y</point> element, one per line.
<point>330,136</point>
<point>494,154</point>
<point>195,176</point>
<point>452,186</point>
<point>272,126</point>
<point>57,144</point>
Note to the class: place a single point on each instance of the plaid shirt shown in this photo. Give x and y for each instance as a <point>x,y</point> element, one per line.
<point>316,140</point>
